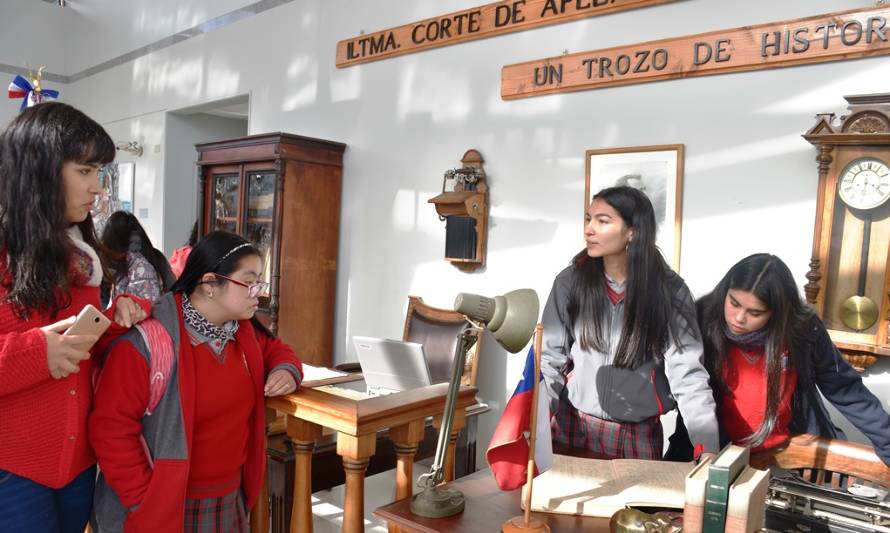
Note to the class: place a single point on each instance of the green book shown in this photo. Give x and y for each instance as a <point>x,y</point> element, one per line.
<point>723,470</point>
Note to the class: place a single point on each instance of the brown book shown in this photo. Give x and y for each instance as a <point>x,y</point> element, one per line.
<point>594,487</point>
<point>694,507</point>
<point>747,501</point>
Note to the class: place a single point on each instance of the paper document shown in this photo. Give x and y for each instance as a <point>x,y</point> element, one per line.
<point>316,373</point>
<point>594,487</point>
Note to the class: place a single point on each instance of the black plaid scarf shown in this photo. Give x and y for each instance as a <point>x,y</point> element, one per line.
<point>203,331</point>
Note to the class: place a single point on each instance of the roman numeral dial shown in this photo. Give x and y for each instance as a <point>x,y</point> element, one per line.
<point>865,183</point>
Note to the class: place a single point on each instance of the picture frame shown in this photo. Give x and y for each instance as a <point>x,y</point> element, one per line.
<point>658,171</point>
<point>117,181</point>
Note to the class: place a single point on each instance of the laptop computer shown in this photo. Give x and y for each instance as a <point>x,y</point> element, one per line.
<point>391,366</point>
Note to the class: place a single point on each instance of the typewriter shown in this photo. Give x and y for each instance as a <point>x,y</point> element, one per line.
<point>795,505</point>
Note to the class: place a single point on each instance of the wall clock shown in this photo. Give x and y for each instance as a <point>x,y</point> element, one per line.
<point>849,276</point>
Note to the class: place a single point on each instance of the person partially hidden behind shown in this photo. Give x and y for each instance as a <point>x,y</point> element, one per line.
<point>139,268</point>
<point>769,357</point>
<point>621,344</point>
<point>195,462</point>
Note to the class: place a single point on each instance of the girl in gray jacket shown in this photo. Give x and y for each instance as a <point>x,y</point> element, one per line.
<point>621,342</point>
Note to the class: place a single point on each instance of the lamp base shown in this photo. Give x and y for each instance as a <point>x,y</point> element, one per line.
<point>433,502</point>
<point>517,525</point>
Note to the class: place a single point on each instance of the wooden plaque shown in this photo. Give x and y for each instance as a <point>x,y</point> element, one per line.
<point>823,38</point>
<point>476,23</point>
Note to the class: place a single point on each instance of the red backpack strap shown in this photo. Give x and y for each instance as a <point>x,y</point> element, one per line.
<point>160,355</point>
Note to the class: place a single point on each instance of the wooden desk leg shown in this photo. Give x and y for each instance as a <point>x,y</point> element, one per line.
<point>259,515</point>
<point>303,434</point>
<point>356,452</point>
<point>405,440</point>
<point>460,420</point>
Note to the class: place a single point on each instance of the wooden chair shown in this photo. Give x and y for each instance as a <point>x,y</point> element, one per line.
<point>829,462</point>
<point>437,330</point>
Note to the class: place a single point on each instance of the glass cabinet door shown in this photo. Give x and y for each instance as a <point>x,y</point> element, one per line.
<point>226,202</point>
<point>260,210</point>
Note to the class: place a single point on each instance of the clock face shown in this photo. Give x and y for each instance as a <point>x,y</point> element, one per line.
<point>865,183</point>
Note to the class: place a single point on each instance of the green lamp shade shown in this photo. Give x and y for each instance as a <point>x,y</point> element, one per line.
<point>511,318</point>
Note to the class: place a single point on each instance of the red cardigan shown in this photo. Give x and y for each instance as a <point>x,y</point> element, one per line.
<point>116,425</point>
<point>43,421</point>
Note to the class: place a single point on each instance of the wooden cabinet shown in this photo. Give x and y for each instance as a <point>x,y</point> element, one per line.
<point>282,192</point>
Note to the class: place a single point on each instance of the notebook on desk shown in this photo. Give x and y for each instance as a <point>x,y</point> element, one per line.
<point>390,366</point>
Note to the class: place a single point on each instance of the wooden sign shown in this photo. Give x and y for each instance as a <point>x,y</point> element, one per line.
<point>477,23</point>
<point>831,37</point>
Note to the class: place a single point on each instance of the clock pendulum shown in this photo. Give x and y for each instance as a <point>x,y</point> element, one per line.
<point>859,312</point>
<point>864,185</point>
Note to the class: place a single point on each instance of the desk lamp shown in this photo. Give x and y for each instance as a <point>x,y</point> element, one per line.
<point>511,319</point>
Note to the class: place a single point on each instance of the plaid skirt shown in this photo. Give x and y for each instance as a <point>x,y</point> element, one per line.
<point>582,435</point>
<point>225,514</point>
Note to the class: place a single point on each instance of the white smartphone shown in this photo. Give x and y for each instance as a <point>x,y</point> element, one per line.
<point>90,321</point>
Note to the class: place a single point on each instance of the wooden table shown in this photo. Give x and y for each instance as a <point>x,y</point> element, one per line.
<point>356,422</point>
<point>487,507</point>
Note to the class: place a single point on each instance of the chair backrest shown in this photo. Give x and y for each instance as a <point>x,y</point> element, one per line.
<point>437,330</point>
<point>829,462</point>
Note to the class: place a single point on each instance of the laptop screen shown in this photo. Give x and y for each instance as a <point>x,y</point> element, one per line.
<point>390,364</point>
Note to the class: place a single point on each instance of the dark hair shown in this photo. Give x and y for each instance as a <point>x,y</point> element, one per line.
<point>193,236</point>
<point>218,252</point>
<point>649,303</point>
<point>33,149</point>
<point>123,233</point>
<point>768,278</point>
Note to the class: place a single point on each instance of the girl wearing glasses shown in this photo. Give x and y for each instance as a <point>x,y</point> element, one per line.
<point>196,461</point>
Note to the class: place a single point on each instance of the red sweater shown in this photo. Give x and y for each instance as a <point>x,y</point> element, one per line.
<point>43,420</point>
<point>743,409</point>
<point>219,441</point>
<point>117,423</point>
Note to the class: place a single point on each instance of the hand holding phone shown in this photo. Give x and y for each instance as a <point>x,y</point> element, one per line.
<point>90,321</point>
<point>65,351</point>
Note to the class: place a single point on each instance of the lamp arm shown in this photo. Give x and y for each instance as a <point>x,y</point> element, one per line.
<point>436,475</point>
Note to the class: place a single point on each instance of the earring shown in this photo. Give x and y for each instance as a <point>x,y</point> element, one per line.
<point>210,294</point>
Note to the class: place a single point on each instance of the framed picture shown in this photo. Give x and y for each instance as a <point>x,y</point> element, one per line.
<point>655,170</point>
<point>116,180</point>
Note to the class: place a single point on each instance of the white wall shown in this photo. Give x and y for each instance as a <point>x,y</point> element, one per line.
<point>180,170</point>
<point>750,178</point>
<point>148,190</point>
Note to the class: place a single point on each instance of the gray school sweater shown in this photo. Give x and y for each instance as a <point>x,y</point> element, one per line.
<point>596,387</point>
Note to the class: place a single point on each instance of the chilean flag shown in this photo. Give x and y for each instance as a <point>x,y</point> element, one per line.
<point>21,88</point>
<point>508,451</point>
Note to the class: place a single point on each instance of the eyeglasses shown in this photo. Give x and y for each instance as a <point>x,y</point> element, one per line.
<point>253,289</point>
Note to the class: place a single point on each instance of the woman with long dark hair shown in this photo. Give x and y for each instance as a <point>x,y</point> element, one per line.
<point>138,267</point>
<point>621,344</point>
<point>769,357</point>
<point>193,459</point>
<point>50,269</point>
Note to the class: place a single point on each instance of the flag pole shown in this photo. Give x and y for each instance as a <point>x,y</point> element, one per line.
<point>526,523</point>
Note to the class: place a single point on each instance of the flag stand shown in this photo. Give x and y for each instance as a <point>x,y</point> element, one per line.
<point>527,523</point>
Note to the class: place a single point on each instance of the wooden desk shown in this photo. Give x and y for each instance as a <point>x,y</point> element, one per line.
<point>357,423</point>
<point>487,507</point>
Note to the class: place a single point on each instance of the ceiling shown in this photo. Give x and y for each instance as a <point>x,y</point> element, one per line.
<point>87,33</point>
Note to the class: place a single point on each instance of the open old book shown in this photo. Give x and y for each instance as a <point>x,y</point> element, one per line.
<point>594,487</point>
